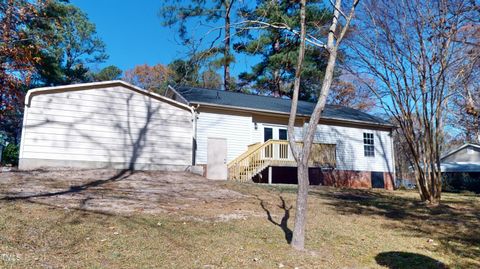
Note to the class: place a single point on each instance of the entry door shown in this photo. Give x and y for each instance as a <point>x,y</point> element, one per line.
<point>217,158</point>
<point>277,133</point>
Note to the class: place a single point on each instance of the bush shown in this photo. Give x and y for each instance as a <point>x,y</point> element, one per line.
<point>10,154</point>
<point>456,182</point>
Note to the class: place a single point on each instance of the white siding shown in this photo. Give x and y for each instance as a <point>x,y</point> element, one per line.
<point>235,128</point>
<point>239,130</point>
<point>349,146</point>
<point>258,135</point>
<point>467,154</point>
<point>109,125</point>
<point>350,150</point>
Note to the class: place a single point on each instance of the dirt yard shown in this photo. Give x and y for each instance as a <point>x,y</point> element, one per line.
<point>116,192</point>
<point>115,219</point>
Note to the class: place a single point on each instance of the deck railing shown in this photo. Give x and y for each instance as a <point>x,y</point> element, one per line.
<point>276,153</point>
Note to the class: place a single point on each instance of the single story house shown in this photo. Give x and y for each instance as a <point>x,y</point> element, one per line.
<point>221,134</point>
<point>465,159</point>
<point>461,167</point>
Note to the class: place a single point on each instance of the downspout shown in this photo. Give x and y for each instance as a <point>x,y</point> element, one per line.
<point>24,126</point>
<point>394,175</point>
<point>193,110</point>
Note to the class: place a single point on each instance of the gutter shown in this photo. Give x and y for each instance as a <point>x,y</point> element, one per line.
<point>390,126</point>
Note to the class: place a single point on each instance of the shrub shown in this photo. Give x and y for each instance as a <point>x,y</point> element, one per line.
<point>456,182</point>
<point>10,154</point>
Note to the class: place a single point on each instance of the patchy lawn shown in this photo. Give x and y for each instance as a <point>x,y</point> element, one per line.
<point>111,219</point>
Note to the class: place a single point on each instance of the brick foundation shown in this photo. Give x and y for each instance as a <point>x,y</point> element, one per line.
<point>335,178</point>
<point>389,179</point>
<point>348,179</point>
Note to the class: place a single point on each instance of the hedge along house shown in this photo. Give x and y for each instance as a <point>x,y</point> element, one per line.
<point>220,134</point>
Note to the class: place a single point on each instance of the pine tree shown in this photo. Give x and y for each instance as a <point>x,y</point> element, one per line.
<point>278,48</point>
<point>178,13</point>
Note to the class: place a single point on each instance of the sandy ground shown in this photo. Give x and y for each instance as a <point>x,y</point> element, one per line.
<point>114,192</point>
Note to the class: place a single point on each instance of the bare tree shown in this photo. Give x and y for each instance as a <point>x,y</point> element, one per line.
<point>466,104</point>
<point>349,93</point>
<point>407,50</point>
<point>302,154</point>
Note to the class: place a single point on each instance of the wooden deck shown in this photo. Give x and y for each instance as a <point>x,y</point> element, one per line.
<point>277,153</point>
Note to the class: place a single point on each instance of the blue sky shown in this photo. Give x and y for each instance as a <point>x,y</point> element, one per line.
<point>134,35</point>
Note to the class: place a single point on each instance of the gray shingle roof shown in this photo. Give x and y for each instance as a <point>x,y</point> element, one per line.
<point>276,105</point>
<point>460,167</point>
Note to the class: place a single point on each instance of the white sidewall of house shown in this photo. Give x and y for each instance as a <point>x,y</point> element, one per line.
<point>350,148</point>
<point>113,125</point>
<point>469,154</point>
<point>240,132</point>
<point>237,129</point>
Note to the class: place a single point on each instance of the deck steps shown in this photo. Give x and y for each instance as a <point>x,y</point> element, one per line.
<point>259,156</point>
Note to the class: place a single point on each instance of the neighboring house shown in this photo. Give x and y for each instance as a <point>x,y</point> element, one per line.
<point>463,160</point>
<point>229,135</point>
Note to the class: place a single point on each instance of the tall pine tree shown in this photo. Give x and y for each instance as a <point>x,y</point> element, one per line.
<point>73,45</point>
<point>278,48</point>
<point>178,13</point>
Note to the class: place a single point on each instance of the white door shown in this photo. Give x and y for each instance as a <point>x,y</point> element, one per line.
<point>217,158</point>
<point>276,133</point>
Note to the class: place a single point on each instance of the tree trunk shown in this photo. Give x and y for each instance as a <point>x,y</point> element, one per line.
<point>298,239</point>
<point>276,74</point>
<point>226,53</point>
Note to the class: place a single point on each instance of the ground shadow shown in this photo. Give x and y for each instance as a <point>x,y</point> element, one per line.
<point>283,224</point>
<point>453,225</point>
<point>122,174</point>
<point>407,260</point>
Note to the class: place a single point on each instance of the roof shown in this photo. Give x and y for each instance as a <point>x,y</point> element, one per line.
<point>466,145</point>
<point>460,167</point>
<point>96,85</point>
<point>236,100</point>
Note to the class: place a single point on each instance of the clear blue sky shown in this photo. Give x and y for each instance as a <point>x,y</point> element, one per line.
<point>134,35</point>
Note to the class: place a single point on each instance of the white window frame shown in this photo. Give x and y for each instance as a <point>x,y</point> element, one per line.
<point>368,145</point>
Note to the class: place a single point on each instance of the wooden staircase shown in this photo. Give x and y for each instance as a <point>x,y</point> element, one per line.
<point>276,153</point>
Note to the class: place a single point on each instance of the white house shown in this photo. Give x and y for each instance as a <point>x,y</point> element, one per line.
<point>465,159</point>
<point>224,134</point>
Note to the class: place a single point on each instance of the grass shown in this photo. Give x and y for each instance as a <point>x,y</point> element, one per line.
<point>346,229</point>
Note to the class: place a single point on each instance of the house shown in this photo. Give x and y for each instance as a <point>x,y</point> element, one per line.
<point>220,134</point>
<point>463,159</point>
<point>106,124</point>
<point>461,167</point>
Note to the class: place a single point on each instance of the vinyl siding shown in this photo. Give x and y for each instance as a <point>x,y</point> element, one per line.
<point>467,154</point>
<point>108,125</point>
<point>235,128</point>
<point>239,130</point>
<point>350,148</point>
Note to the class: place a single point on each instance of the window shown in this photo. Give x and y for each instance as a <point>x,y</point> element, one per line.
<point>368,146</point>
